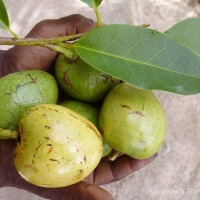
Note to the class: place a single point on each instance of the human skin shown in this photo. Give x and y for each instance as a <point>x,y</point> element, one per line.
<point>21,58</point>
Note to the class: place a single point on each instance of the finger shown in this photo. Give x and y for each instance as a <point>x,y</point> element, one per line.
<point>21,57</point>
<point>69,25</point>
<point>109,171</point>
<point>79,191</point>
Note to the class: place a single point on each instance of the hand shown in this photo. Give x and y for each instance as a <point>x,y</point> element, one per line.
<point>106,172</point>
<point>23,58</point>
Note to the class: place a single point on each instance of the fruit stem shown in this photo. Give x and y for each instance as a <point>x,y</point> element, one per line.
<point>114,155</point>
<point>98,16</point>
<point>37,41</point>
<point>68,52</point>
<point>8,134</point>
<point>12,33</point>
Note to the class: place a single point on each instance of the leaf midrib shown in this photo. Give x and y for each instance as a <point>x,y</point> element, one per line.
<point>135,61</point>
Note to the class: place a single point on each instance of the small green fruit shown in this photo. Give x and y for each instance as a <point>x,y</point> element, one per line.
<point>132,121</point>
<point>58,147</point>
<point>81,81</point>
<point>89,112</point>
<point>106,149</point>
<point>20,91</point>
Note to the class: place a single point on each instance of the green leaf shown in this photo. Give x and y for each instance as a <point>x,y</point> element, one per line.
<point>4,21</point>
<point>142,57</point>
<point>187,32</point>
<point>92,3</point>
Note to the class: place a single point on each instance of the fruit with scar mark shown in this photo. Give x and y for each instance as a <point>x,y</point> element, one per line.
<point>22,90</point>
<point>132,121</point>
<point>57,147</point>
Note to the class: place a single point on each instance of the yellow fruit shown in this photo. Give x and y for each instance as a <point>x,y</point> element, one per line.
<point>58,147</point>
<point>132,121</point>
<point>89,112</point>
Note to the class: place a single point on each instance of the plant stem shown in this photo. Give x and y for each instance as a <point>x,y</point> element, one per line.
<point>98,15</point>
<point>37,41</point>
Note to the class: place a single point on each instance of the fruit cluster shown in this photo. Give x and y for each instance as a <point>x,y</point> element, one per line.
<point>68,123</point>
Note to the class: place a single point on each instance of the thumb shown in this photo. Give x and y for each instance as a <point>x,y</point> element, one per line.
<point>69,25</point>
<point>25,57</point>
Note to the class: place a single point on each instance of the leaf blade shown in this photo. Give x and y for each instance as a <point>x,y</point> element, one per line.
<point>92,3</point>
<point>142,57</point>
<point>4,20</point>
<point>187,33</point>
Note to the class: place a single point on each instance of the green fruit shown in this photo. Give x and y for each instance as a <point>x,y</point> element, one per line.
<point>106,149</point>
<point>21,90</point>
<point>81,81</point>
<point>89,112</point>
<point>86,110</point>
<point>132,121</point>
<point>58,147</point>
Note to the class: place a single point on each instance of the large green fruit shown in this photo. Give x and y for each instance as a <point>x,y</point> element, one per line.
<point>89,112</point>
<point>81,81</point>
<point>58,147</point>
<point>21,90</point>
<point>132,121</point>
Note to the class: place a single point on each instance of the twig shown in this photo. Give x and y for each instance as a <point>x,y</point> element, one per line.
<point>37,41</point>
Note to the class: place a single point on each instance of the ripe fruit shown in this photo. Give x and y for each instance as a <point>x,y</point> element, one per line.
<point>21,90</point>
<point>89,112</point>
<point>58,147</point>
<point>81,81</point>
<point>132,121</point>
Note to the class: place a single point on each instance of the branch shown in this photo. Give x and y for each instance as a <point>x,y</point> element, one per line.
<point>37,41</point>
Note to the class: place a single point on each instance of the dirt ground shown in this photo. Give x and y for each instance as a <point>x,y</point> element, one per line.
<point>175,174</point>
